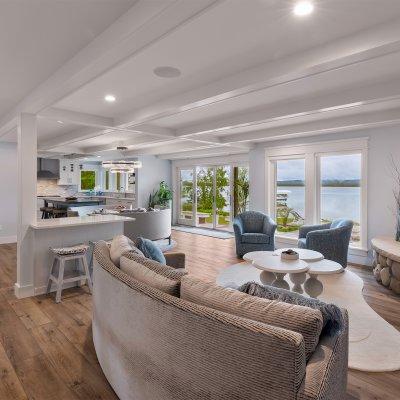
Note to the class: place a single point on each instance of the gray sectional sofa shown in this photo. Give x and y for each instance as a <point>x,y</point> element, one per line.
<point>155,346</point>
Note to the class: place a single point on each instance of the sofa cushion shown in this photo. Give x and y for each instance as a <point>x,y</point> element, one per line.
<point>255,238</point>
<point>145,275</point>
<point>121,245</point>
<point>331,314</point>
<point>304,320</point>
<point>150,250</point>
<point>164,270</point>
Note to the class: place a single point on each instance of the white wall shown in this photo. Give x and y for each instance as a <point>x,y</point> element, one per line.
<point>383,142</point>
<point>8,197</point>
<point>148,177</point>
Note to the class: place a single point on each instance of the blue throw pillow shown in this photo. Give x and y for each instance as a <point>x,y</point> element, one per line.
<point>150,250</point>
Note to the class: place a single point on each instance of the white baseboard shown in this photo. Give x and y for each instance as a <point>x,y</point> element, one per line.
<point>23,291</point>
<point>29,291</point>
<point>8,239</point>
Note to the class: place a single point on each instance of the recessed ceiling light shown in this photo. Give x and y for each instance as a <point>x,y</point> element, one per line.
<point>110,98</point>
<point>167,72</point>
<point>60,122</point>
<point>303,8</point>
<point>98,156</point>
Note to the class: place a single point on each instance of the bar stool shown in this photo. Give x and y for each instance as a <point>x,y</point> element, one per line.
<point>58,213</point>
<point>46,211</point>
<point>61,255</point>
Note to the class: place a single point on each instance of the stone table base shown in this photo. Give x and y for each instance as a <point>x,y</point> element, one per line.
<point>387,262</point>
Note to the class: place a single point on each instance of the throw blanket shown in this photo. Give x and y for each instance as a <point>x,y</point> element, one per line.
<point>331,314</point>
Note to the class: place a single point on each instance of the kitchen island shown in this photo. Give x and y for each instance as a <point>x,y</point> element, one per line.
<point>64,203</point>
<point>64,232</point>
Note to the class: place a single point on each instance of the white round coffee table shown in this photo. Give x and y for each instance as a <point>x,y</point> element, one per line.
<point>324,267</point>
<point>274,269</point>
<point>304,254</point>
<point>313,286</point>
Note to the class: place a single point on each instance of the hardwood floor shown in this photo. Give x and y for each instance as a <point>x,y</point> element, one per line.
<point>47,353</point>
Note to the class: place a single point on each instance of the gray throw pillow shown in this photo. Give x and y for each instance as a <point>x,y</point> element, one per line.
<point>332,315</point>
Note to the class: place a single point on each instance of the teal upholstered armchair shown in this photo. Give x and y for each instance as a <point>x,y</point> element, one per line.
<point>332,240</point>
<point>254,231</point>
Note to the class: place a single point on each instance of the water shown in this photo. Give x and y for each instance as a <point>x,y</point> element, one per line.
<point>336,202</point>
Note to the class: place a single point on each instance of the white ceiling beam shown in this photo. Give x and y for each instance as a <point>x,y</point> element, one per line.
<point>70,138</point>
<point>140,140</point>
<point>78,118</point>
<point>206,152</point>
<point>181,146</point>
<point>332,56</point>
<point>105,123</point>
<point>337,124</point>
<point>156,130</point>
<point>353,98</point>
<point>141,26</point>
<point>142,145</point>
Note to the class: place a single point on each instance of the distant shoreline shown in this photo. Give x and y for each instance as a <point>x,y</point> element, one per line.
<point>327,183</point>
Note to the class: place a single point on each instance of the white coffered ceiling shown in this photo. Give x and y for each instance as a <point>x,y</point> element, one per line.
<point>251,71</point>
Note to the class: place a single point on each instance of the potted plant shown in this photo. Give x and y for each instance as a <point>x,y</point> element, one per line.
<point>162,197</point>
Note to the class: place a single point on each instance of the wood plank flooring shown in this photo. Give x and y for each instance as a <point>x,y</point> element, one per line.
<point>47,353</point>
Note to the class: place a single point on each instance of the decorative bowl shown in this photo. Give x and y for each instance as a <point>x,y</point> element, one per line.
<point>289,255</point>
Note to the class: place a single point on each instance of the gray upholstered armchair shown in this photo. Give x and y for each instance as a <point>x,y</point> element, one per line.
<point>332,240</point>
<point>254,231</point>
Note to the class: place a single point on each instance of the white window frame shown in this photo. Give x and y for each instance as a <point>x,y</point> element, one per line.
<point>312,154</point>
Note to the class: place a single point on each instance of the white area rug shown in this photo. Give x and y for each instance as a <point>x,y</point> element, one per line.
<point>374,343</point>
<point>204,232</point>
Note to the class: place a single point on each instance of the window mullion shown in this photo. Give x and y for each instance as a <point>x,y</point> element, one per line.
<point>310,190</point>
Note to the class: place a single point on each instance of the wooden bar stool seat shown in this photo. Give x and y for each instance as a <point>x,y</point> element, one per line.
<point>60,257</point>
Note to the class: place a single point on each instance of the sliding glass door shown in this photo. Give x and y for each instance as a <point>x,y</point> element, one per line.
<point>223,206</point>
<point>210,196</point>
<point>205,197</point>
<point>186,214</point>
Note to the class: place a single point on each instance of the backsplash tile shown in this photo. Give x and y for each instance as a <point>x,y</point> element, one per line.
<point>49,187</point>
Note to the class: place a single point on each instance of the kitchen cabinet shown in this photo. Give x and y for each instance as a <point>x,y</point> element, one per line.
<point>69,172</point>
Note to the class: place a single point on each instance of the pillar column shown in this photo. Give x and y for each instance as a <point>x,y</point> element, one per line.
<point>27,176</point>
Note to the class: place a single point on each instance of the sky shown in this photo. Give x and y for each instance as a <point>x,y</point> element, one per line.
<point>332,167</point>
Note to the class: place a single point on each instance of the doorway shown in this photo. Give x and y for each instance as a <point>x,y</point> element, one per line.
<point>211,196</point>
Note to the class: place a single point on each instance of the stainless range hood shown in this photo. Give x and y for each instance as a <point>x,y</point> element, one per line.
<point>48,168</point>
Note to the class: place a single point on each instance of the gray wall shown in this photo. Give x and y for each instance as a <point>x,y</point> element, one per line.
<point>8,197</point>
<point>383,142</point>
<point>154,171</point>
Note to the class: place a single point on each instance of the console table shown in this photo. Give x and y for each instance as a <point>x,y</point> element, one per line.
<point>387,262</point>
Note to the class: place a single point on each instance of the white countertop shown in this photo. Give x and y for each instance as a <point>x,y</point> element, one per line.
<point>78,221</point>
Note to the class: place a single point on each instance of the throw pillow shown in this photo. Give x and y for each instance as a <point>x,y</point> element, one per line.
<point>164,270</point>
<point>150,250</point>
<point>332,315</point>
<point>145,275</point>
<point>121,245</point>
<point>299,319</point>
